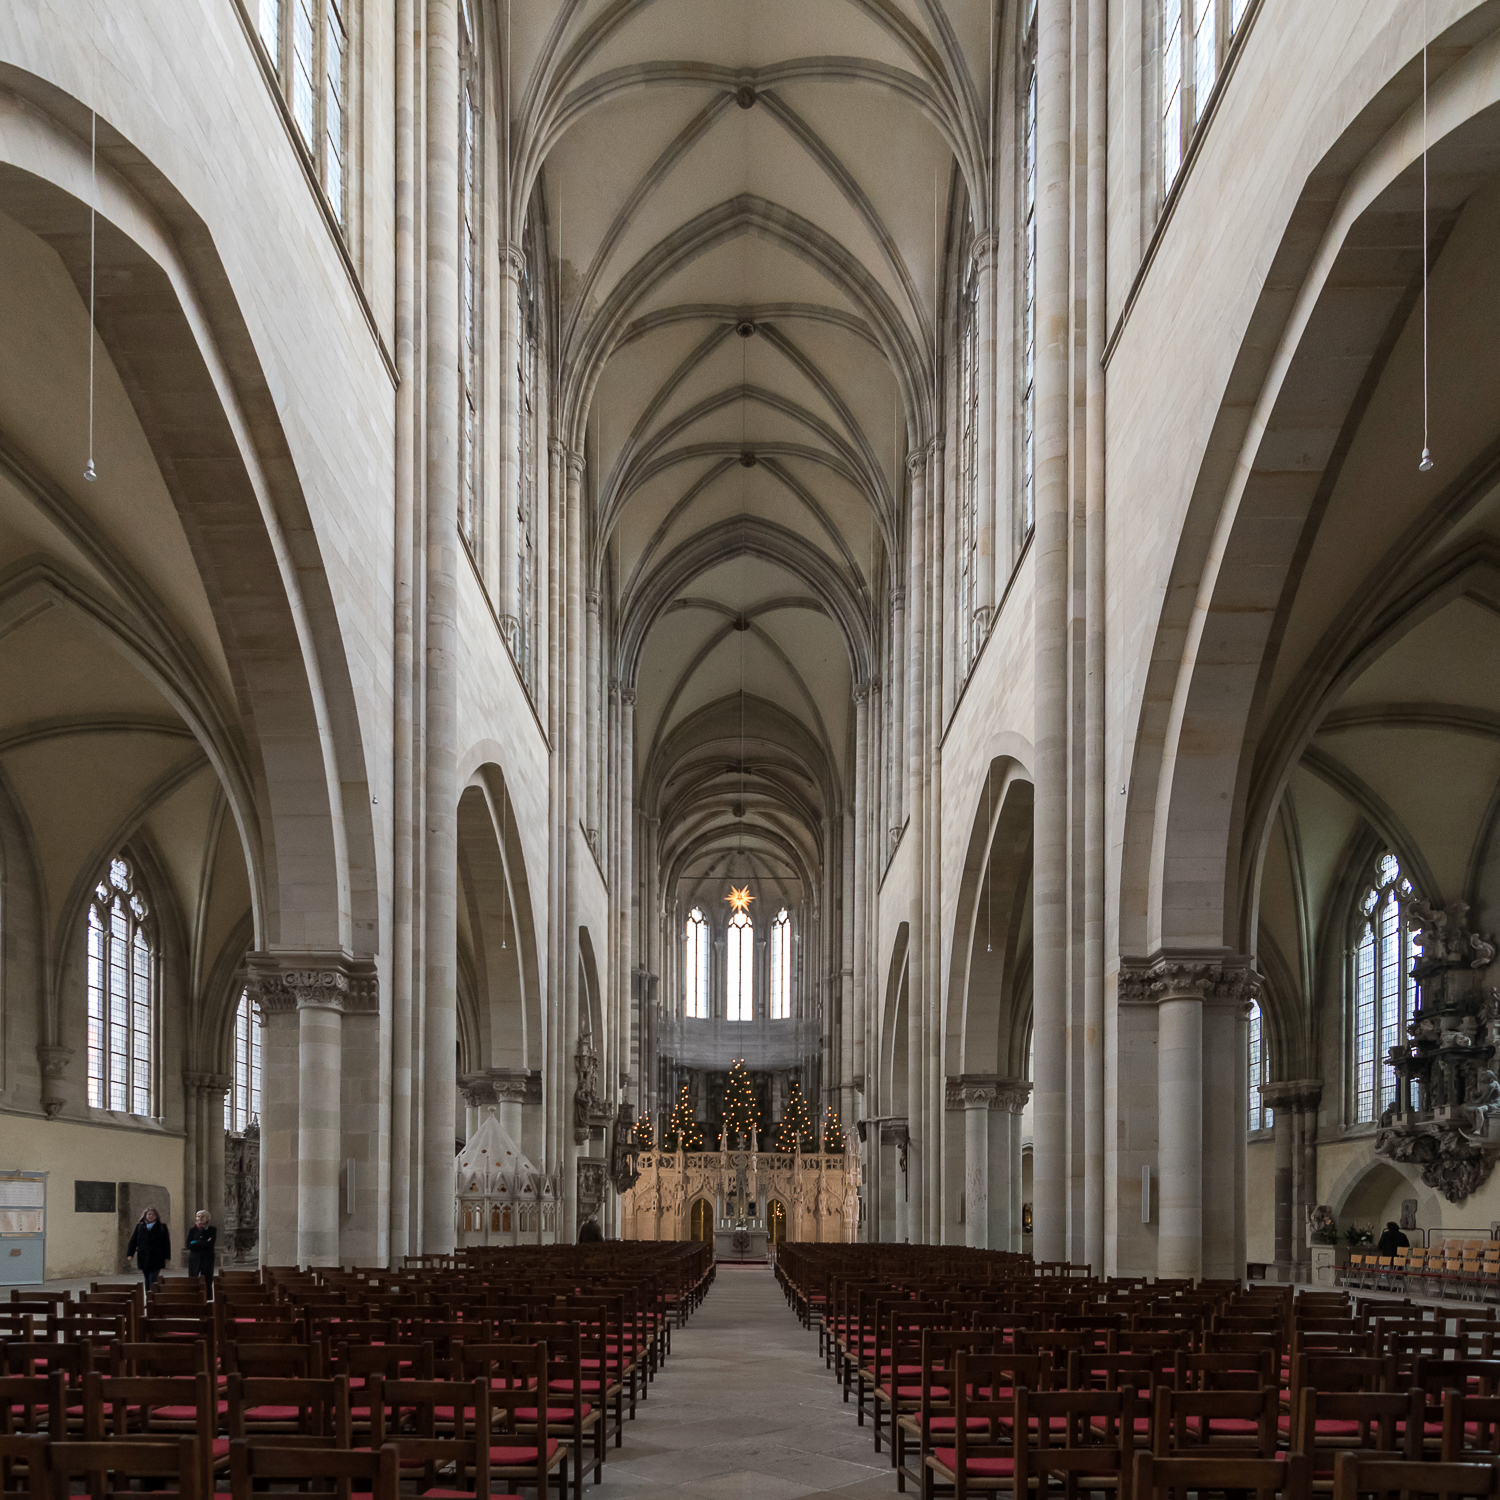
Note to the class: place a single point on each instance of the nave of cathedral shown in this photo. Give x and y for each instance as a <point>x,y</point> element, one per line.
<point>832,621</point>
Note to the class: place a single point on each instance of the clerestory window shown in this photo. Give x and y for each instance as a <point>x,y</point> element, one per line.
<point>307,45</point>
<point>780,1006</point>
<point>739,988</point>
<point>695,966</point>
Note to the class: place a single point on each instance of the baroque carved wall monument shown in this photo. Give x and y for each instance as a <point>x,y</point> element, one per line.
<point>1445,1118</point>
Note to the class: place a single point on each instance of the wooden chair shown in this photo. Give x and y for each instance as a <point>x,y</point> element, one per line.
<point>1082,1439</point>
<point>434,1423</point>
<point>157,1409</point>
<point>377,1470</point>
<point>1471,1428</point>
<point>983,1456</point>
<point>517,1375</point>
<point>1216,1423</point>
<point>1176,1478</point>
<point>1357,1474</point>
<point>290,1412</point>
<point>31,1404</point>
<point>567,1413</point>
<point>24,1466</point>
<point>125,1458</point>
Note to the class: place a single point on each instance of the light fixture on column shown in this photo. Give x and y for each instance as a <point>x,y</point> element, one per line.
<point>88,469</point>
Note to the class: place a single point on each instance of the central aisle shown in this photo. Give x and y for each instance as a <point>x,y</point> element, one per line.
<point>744,1410</point>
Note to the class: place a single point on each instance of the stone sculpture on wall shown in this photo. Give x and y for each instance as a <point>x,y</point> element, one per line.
<point>240,1232</point>
<point>1445,1118</point>
<point>590,1112</point>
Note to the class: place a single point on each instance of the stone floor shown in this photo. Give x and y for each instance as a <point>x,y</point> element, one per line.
<point>744,1410</point>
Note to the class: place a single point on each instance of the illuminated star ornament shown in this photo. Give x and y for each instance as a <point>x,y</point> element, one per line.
<point>739,899</point>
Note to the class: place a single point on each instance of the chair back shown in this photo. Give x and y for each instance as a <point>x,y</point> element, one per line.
<point>1177,1478</point>
<point>378,1469</point>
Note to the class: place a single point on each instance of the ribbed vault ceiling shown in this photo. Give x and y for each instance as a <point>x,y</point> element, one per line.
<point>744,200</point>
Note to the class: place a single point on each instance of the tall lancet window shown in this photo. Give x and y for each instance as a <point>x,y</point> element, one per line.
<point>1171,92</point>
<point>695,966</point>
<point>1380,980</point>
<point>242,1102</point>
<point>468,279</point>
<point>121,981</point>
<point>739,986</point>
<point>1260,1115</point>
<point>781,967</point>
<point>530,458</point>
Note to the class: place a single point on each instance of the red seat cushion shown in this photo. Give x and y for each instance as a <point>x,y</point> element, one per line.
<point>950,1424</point>
<point>554,1413</point>
<point>273,1413</point>
<point>978,1468</point>
<point>503,1457</point>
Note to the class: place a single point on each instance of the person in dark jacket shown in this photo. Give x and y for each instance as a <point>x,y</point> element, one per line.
<point>151,1244</point>
<point>200,1244</point>
<point>1392,1240</point>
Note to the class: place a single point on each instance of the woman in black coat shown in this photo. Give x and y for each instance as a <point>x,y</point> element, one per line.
<point>151,1244</point>
<point>200,1243</point>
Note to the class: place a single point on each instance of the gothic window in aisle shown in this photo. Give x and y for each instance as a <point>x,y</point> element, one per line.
<point>1380,986</point>
<point>242,1102</point>
<point>781,967</point>
<point>1195,38</point>
<point>1260,1113</point>
<point>695,966</point>
<point>121,983</point>
<point>739,948</point>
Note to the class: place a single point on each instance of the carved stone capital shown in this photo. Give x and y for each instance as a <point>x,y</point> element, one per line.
<point>1012,1095</point>
<point>898,598</point>
<point>591,600</point>
<point>627,697</point>
<point>1210,975</point>
<point>512,260</point>
<point>282,982</point>
<point>52,1058</point>
<point>861,691</point>
<point>1295,1094</point>
<point>916,462</point>
<point>984,249</point>
<point>574,461</point>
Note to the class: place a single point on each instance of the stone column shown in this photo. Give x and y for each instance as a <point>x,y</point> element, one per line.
<point>854,1026</point>
<point>625,1050</point>
<point>985,498</point>
<point>1197,1141</point>
<point>511,478</point>
<point>510,1087</point>
<point>896,740</point>
<point>203,1156</point>
<point>1289,1099</point>
<point>440,801</point>
<point>917,1104</point>
<point>978,1100</point>
<point>593,726</point>
<point>405,836</point>
<point>576,783</point>
<point>1014,1100</point>
<point>302,1000</point>
<point>1050,633</point>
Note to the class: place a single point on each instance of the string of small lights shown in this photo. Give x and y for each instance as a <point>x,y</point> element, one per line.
<point>833,1132</point>
<point>796,1122</point>
<point>682,1132</point>
<point>741,1108</point>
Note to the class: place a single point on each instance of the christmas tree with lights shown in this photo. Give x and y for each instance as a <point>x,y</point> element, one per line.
<point>833,1132</point>
<point>645,1136</point>
<point>682,1131</point>
<point>741,1111</point>
<point>796,1123</point>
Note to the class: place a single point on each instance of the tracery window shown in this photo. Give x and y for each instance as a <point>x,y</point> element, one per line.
<point>1260,1114</point>
<point>121,984</point>
<point>1380,981</point>
<point>1028,297</point>
<point>740,971</point>
<point>780,1006</point>
<point>968,470</point>
<point>307,44</point>
<point>695,966</point>
<point>468,281</point>
<point>242,1102</point>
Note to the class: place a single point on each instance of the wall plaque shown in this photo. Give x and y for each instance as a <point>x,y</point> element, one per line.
<point>93,1197</point>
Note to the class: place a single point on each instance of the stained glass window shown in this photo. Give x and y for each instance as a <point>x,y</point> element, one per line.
<point>268,23</point>
<point>468,283</point>
<point>120,981</point>
<point>968,473</point>
<point>1171,92</point>
<point>333,107</point>
<point>1205,53</point>
<point>1382,987</point>
<point>1028,310</point>
<point>1260,1114</point>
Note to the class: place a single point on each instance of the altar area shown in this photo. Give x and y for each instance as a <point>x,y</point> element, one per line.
<point>769,1196</point>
